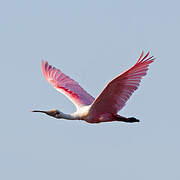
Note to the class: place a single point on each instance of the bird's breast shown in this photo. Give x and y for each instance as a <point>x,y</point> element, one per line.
<point>82,113</point>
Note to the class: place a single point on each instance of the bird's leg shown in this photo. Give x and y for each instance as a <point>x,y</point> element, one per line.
<point>132,120</point>
<point>124,119</point>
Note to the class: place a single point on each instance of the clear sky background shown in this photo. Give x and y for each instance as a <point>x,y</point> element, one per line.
<point>91,41</point>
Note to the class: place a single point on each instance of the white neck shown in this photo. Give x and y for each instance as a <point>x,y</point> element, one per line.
<point>67,116</point>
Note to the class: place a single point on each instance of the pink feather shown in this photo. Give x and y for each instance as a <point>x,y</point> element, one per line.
<point>106,106</point>
<point>66,85</point>
<point>115,95</point>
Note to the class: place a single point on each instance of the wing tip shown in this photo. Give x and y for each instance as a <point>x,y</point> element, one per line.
<point>44,65</point>
<point>142,53</point>
<point>145,58</point>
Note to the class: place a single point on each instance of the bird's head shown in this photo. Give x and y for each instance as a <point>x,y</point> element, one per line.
<point>54,113</point>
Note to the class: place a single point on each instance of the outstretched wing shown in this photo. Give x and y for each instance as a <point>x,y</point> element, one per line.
<point>66,85</point>
<point>118,91</point>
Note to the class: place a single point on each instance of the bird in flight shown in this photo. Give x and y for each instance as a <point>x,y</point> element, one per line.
<point>111,100</point>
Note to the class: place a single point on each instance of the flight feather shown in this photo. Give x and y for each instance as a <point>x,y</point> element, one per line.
<point>115,95</point>
<point>66,85</point>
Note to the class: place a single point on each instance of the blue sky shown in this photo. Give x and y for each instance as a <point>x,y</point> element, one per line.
<point>91,41</point>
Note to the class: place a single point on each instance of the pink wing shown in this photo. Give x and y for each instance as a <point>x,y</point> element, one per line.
<point>118,91</point>
<point>66,85</point>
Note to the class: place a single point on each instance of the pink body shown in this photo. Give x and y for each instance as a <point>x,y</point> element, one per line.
<point>112,99</point>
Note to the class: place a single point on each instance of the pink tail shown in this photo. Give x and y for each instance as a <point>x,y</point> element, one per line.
<point>124,119</point>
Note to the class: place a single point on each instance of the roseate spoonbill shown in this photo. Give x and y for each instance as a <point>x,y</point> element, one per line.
<point>106,106</point>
